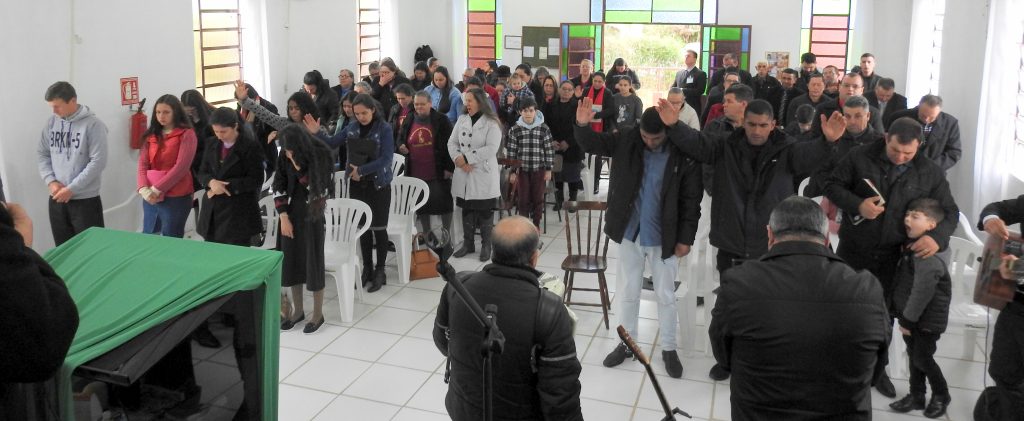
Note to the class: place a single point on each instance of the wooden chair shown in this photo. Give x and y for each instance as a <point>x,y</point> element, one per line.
<point>508,198</point>
<point>585,221</point>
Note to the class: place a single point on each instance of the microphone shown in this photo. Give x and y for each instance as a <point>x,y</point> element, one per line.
<point>439,241</point>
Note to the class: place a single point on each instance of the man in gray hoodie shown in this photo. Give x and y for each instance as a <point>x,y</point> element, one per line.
<point>72,153</point>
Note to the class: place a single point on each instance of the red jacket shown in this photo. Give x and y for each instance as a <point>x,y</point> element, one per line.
<point>167,166</point>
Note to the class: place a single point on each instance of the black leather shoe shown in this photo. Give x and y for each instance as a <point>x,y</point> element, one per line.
<point>464,250</point>
<point>289,324</point>
<point>885,387</point>
<point>908,403</point>
<point>617,356</point>
<point>312,327</point>
<point>379,279</point>
<point>205,338</point>
<point>672,364</point>
<point>718,373</point>
<point>485,252</point>
<point>936,406</point>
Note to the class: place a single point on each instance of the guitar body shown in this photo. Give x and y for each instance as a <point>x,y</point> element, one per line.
<point>991,289</point>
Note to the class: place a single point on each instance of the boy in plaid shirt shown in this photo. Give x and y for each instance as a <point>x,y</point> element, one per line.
<point>530,142</point>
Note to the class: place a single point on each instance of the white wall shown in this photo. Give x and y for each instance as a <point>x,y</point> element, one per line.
<point>91,44</point>
<point>411,20</point>
<point>775,26</point>
<point>888,35</point>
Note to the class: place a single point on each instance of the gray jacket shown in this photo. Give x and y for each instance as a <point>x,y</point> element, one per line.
<point>923,292</point>
<point>73,151</point>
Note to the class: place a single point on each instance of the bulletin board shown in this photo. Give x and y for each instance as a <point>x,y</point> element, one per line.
<point>541,46</point>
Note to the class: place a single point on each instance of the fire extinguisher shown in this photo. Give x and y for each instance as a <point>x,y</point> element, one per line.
<point>137,125</point>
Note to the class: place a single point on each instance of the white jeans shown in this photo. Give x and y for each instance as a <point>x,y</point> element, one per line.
<point>632,258</point>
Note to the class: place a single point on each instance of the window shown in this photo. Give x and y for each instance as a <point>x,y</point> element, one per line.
<point>217,36</point>
<point>826,31</point>
<point>580,41</point>
<point>483,33</point>
<point>939,6</point>
<point>719,40</point>
<point>654,11</point>
<point>1018,121</point>
<point>369,34</point>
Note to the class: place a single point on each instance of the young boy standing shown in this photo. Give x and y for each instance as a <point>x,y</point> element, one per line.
<point>530,142</point>
<point>921,302</point>
<point>628,106</point>
<point>511,99</point>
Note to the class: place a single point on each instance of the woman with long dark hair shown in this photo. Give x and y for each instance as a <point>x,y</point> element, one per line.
<point>260,128</point>
<point>327,101</point>
<point>302,185</point>
<point>619,68</point>
<point>198,111</point>
<point>443,95</point>
<point>385,82</point>
<point>423,139</point>
<point>165,169</point>
<point>420,76</point>
<point>402,108</point>
<point>560,116</point>
<point>231,171</point>
<point>370,146</point>
<point>473,148</point>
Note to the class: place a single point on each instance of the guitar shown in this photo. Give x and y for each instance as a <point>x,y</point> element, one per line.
<point>991,289</point>
<point>639,354</point>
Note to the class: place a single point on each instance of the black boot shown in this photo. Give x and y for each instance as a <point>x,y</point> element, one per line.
<point>485,238</point>
<point>379,279</point>
<point>468,232</point>
<point>559,198</point>
<point>367,274</point>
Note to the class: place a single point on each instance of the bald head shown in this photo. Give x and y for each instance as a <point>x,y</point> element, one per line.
<point>515,241</point>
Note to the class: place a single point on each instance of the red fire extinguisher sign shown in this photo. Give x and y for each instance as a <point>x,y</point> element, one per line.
<point>129,90</point>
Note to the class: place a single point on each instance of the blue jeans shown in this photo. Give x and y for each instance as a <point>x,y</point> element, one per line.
<point>166,217</point>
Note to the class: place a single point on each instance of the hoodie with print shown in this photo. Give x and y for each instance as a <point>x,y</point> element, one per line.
<point>73,152</point>
<point>531,143</point>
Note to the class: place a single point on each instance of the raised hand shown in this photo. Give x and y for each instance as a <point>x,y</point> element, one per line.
<point>312,126</point>
<point>584,112</point>
<point>668,112</point>
<point>833,127</point>
<point>241,92</point>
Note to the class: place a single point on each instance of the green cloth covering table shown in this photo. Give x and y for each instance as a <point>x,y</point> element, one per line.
<point>125,283</point>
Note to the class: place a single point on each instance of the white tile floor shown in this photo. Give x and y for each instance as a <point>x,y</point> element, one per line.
<point>384,366</point>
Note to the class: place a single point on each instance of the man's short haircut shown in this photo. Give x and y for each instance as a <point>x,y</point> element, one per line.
<point>906,130</point>
<point>363,85</point>
<point>515,251</point>
<point>474,81</point>
<point>431,60</point>
<point>831,66</point>
<point>527,102</point>
<point>929,207</point>
<point>741,92</point>
<point>812,76</point>
<point>61,90</point>
<point>805,114</point>
<point>789,71</point>
<point>688,52</point>
<point>731,73</point>
<point>759,107</point>
<point>675,90</point>
<point>808,58</point>
<point>799,218</point>
<point>931,100</point>
<point>650,121</point>
<point>886,84</point>
<point>856,101</point>
<point>375,65</point>
<point>867,55</point>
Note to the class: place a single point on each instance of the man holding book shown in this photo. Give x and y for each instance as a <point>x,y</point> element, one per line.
<point>873,186</point>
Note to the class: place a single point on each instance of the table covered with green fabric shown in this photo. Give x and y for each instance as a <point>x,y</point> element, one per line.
<point>126,283</point>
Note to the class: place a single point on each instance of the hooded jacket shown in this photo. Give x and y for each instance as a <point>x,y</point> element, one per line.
<point>73,152</point>
<point>531,144</point>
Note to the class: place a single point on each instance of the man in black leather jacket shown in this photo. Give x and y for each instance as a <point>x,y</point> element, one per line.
<point>536,377</point>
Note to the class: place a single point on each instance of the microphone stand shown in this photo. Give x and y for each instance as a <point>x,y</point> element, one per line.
<point>493,340</point>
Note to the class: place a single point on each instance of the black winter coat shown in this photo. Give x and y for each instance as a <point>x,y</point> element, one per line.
<point>561,118</point>
<point>942,145</point>
<point>536,377</point>
<point>803,334</point>
<point>234,218</point>
<point>748,185</point>
<point>329,106</point>
<point>828,107</point>
<point>843,146</point>
<point>846,188</point>
<point>442,129</point>
<point>613,77</point>
<point>681,189</point>
<point>385,95</point>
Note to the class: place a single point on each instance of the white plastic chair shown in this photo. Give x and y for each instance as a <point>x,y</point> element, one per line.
<point>268,183</point>
<point>968,229</point>
<point>963,312</point>
<point>340,185</point>
<point>347,220</point>
<point>408,194</point>
<point>269,214</point>
<point>192,221</point>
<point>398,165</point>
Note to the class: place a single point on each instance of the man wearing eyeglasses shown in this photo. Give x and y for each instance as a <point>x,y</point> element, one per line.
<point>851,85</point>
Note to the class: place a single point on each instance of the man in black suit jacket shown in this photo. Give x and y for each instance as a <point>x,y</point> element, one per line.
<point>730,64</point>
<point>1007,367</point>
<point>692,79</point>
<point>941,141</point>
<point>886,100</point>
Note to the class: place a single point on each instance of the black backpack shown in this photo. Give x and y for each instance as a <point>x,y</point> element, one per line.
<point>423,53</point>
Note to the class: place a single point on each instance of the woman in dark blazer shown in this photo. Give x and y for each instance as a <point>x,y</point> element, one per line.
<point>423,140</point>
<point>232,173</point>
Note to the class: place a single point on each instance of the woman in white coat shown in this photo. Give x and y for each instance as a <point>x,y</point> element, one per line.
<point>473,147</point>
